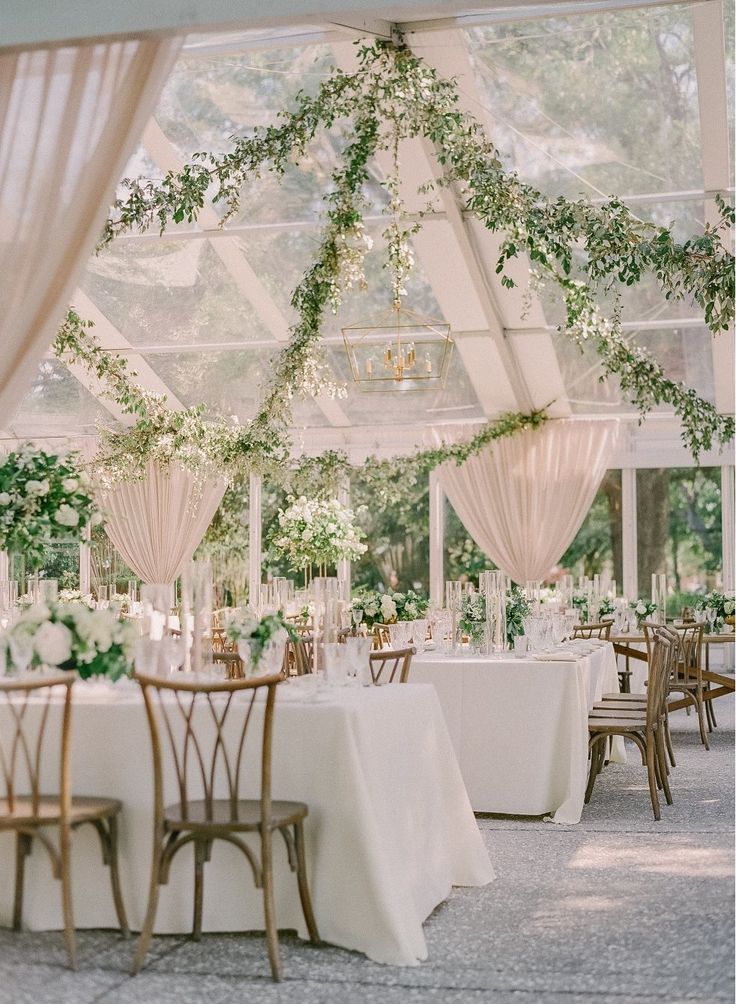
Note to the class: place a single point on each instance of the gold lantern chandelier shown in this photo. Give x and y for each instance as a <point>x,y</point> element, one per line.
<point>400,349</point>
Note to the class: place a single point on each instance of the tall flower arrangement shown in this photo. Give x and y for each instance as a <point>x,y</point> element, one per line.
<point>43,496</point>
<point>317,532</point>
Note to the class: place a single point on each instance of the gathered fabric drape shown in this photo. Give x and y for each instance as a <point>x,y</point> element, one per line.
<point>157,523</point>
<point>69,119</point>
<point>524,498</point>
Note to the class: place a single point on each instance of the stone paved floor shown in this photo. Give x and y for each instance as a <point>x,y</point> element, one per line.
<point>618,908</point>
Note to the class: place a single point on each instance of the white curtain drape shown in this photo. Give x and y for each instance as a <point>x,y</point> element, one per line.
<point>523,499</point>
<point>69,119</point>
<point>157,523</point>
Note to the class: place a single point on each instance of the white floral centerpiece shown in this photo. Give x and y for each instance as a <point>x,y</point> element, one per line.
<point>317,532</point>
<point>643,610</point>
<point>723,604</point>
<point>261,641</point>
<point>69,637</point>
<point>43,496</point>
<point>75,596</point>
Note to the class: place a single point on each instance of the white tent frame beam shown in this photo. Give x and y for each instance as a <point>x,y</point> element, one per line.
<point>710,69</point>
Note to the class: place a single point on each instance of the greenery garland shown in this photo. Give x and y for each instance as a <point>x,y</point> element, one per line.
<point>606,244</point>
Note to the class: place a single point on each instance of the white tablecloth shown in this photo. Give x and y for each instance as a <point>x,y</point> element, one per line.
<point>520,727</point>
<point>389,832</point>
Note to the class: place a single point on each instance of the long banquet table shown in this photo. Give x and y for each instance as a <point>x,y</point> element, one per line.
<point>390,828</point>
<point>519,726</point>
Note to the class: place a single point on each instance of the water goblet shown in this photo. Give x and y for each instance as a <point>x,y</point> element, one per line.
<point>419,634</point>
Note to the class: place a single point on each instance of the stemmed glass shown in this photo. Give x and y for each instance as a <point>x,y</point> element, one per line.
<point>710,613</point>
<point>358,649</point>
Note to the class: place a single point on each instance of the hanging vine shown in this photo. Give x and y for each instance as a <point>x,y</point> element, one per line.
<point>605,245</point>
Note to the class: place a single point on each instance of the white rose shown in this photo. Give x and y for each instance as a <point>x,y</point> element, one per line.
<point>4,498</point>
<point>66,516</point>
<point>34,487</point>
<point>388,608</point>
<point>641,607</point>
<point>53,643</point>
<point>70,484</point>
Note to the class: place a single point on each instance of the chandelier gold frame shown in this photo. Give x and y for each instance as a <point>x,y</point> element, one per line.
<point>414,356</point>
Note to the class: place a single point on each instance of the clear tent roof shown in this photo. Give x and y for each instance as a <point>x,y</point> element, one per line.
<point>584,104</point>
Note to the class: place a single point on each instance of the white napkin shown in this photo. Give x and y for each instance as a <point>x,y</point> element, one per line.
<point>560,656</point>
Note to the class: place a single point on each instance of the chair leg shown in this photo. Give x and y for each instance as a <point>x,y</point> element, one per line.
<point>117,895</point>
<point>199,859</point>
<point>144,941</point>
<point>699,702</point>
<point>668,740</point>
<point>651,774</point>
<point>23,844</point>
<point>710,714</point>
<point>662,760</point>
<point>301,876</point>
<point>66,894</point>
<point>269,910</point>
<point>595,765</point>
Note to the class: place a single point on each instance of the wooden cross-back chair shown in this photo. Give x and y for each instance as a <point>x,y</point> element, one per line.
<point>602,630</point>
<point>190,727</point>
<point>27,708</point>
<point>687,672</point>
<point>299,659</point>
<point>391,666</point>
<point>644,724</point>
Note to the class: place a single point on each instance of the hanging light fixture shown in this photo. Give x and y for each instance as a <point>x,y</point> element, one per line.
<point>400,349</point>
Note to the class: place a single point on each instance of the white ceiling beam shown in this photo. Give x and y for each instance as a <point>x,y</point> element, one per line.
<point>231,254</point>
<point>532,369</point>
<point>111,340</point>
<point>48,21</point>
<point>710,68</point>
<point>511,10</point>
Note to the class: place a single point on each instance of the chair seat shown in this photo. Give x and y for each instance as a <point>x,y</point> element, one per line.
<point>630,707</point>
<point>84,809</point>
<point>220,817</point>
<point>603,711</point>
<point>616,724</point>
<point>634,698</point>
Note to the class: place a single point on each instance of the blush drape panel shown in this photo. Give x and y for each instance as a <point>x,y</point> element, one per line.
<point>157,523</point>
<point>524,498</point>
<point>69,119</point>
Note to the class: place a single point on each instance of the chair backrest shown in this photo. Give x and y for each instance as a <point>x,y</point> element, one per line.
<point>232,662</point>
<point>202,728</point>
<point>299,657</point>
<point>381,636</point>
<point>25,710</point>
<point>690,649</point>
<point>660,670</point>
<point>386,665</point>
<point>602,630</point>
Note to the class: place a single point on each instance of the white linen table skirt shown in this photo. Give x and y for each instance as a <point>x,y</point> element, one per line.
<point>520,726</point>
<point>390,828</point>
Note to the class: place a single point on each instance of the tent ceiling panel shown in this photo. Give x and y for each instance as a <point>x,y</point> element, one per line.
<point>544,83</point>
<point>57,404</point>
<point>170,292</point>
<point>683,353</point>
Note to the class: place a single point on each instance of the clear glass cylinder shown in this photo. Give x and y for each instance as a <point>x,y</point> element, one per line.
<point>453,602</point>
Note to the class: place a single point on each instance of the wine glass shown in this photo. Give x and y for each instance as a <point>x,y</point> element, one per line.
<point>710,613</point>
